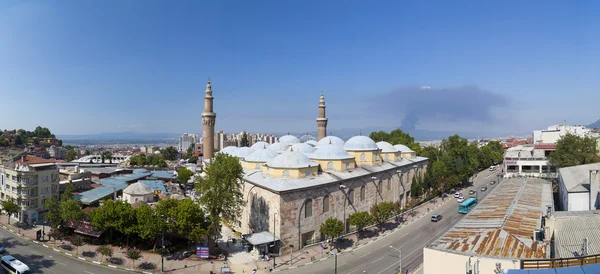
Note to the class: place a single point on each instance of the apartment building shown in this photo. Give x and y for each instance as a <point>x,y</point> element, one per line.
<point>185,141</point>
<point>29,181</point>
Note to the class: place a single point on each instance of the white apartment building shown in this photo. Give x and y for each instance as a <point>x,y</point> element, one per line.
<point>529,161</point>
<point>185,141</point>
<point>29,181</point>
<point>56,152</point>
<point>553,133</point>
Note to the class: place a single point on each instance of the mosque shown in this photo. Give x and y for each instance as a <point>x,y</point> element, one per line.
<point>293,186</point>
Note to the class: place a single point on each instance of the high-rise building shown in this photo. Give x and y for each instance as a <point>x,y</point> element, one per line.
<point>322,120</point>
<point>208,121</point>
<point>186,140</point>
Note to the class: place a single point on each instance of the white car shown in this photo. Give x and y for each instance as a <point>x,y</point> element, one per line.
<point>457,194</point>
<point>460,200</point>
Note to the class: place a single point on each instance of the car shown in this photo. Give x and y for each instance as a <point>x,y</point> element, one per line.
<point>460,200</point>
<point>436,217</point>
<point>2,250</point>
<point>472,191</point>
<point>492,182</point>
<point>457,194</point>
<point>484,188</point>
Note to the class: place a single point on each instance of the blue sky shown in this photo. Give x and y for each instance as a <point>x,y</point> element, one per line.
<point>82,67</point>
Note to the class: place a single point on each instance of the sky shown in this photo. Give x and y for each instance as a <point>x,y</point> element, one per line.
<point>491,67</point>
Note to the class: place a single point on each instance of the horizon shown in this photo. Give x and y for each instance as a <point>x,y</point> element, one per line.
<point>492,69</point>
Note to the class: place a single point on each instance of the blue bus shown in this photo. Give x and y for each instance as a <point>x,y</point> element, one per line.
<point>467,205</point>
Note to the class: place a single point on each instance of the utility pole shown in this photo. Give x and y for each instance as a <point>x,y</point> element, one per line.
<point>274,217</point>
<point>399,258</point>
<point>162,252</point>
<point>335,268</point>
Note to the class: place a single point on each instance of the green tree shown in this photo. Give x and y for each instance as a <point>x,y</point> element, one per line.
<point>332,228</point>
<point>415,188</point>
<point>170,153</point>
<point>244,142</point>
<point>53,216</point>
<point>149,223</point>
<point>133,255</point>
<point>77,241</point>
<point>190,151</point>
<point>432,153</point>
<point>71,155</point>
<point>70,211</point>
<point>10,207</point>
<point>193,159</point>
<point>184,175</point>
<point>221,192</point>
<point>572,150</point>
<point>105,251</point>
<point>190,221</point>
<point>360,220</point>
<point>113,216</point>
<point>396,137</point>
<point>67,194</point>
<point>19,140</point>
<point>87,152</point>
<point>382,212</point>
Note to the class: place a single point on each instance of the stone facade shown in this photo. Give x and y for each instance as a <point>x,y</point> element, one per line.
<point>208,122</point>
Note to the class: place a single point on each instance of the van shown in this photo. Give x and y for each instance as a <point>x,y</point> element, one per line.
<point>14,266</point>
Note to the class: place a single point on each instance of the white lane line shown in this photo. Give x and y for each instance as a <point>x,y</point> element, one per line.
<point>420,226</point>
<point>61,263</point>
<point>378,260</point>
<point>50,270</point>
<point>33,252</point>
<point>88,272</point>
<point>364,255</point>
<point>353,271</point>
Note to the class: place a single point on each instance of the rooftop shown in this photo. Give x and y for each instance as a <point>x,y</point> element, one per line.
<point>577,178</point>
<point>108,186</point>
<point>154,185</point>
<point>570,230</point>
<point>584,269</point>
<point>502,225</point>
<point>164,174</point>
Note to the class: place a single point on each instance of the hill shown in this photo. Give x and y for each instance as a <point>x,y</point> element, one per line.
<point>594,124</point>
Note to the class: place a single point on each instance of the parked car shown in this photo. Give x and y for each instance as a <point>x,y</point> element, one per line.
<point>460,200</point>
<point>492,182</point>
<point>472,191</point>
<point>436,217</point>
<point>457,194</point>
<point>2,250</point>
<point>484,188</point>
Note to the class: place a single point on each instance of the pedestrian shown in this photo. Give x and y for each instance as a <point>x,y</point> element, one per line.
<point>121,249</point>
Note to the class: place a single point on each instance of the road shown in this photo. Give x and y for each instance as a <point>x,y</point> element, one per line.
<point>43,260</point>
<point>378,257</point>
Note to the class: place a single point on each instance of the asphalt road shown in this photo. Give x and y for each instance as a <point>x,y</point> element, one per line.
<point>379,258</point>
<point>42,260</point>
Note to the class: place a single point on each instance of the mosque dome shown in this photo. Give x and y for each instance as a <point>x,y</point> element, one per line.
<point>313,143</point>
<point>261,156</point>
<point>260,145</point>
<point>360,143</point>
<point>403,148</point>
<point>279,147</point>
<point>138,189</point>
<point>289,139</point>
<point>231,150</point>
<point>331,139</point>
<point>330,152</point>
<point>306,138</point>
<point>243,152</point>
<point>304,148</point>
<point>386,147</point>
<point>291,159</point>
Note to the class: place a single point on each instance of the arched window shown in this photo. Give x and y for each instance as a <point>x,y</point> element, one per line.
<point>268,171</point>
<point>362,193</point>
<point>347,165</point>
<point>363,157</point>
<point>376,156</point>
<point>350,196</point>
<point>308,173</point>
<point>286,173</point>
<point>326,204</point>
<point>308,208</point>
<point>387,157</point>
<point>330,166</point>
<point>257,166</point>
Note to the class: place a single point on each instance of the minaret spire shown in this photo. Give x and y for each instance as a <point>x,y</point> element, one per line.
<point>321,120</point>
<point>208,121</point>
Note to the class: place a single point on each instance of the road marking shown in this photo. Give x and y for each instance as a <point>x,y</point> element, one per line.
<point>353,271</point>
<point>378,260</point>
<point>61,263</point>
<point>420,226</point>
<point>364,255</point>
<point>33,252</point>
<point>50,270</point>
<point>88,272</point>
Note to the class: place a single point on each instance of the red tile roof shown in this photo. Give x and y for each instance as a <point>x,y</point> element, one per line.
<point>29,159</point>
<point>545,146</point>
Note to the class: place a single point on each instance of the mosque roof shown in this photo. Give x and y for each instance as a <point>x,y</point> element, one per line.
<point>289,139</point>
<point>303,147</point>
<point>291,159</point>
<point>403,148</point>
<point>279,147</point>
<point>306,138</point>
<point>138,189</point>
<point>330,152</point>
<point>243,152</point>
<point>261,156</point>
<point>260,145</point>
<point>386,147</point>
<point>231,150</point>
<point>334,140</point>
<point>313,143</point>
<point>360,143</point>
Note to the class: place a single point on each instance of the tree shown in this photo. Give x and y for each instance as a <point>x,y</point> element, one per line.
<point>105,251</point>
<point>57,234</point>
<point>10,207</point>
<point>113,216</point>
<point>432,153</point>
<point>244,142</point>
<point>360,220</point>
<point>53,216</point>
<point>170,153</point>
<point>572,150</point>
<point>332,227</point>
<point>190,152</point>
<point>190,221</point>
<point>77,241</point>
<point>71,155</point>
<point>184,175</point>
<point>382,212</point>
<point>133,255</point>
<point>193,159</point>
<point>415,188</point>
<point>149,223</point>
<point>221,192</point>
<point>70,211</point>
<point>396,137</point>
<point>67,194</point>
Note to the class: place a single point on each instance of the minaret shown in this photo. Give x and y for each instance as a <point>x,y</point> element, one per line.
<point>208,121</point>
<point>322,121</point>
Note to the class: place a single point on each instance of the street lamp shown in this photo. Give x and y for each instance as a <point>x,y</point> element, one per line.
<point>162,252</point>
<point>342,187</point>
<point>376,188</point>
<point>291,252</point>
<point>399,258</point>
<point>334,255</point>
<point>274,218</point>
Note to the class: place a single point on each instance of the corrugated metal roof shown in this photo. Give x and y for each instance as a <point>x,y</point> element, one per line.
<point>502,225</point>
<point>577,178</point>
<point>585,269</point>
<point>571,228</point>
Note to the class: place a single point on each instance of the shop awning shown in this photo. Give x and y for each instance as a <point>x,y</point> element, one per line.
<point>260,238</point>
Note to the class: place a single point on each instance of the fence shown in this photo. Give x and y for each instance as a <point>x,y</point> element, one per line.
<point>557,263</point>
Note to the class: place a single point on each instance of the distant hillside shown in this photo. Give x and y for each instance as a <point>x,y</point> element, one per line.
<point>594,124</point>
<point>127,136</point>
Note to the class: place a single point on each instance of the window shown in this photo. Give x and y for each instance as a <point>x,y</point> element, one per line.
<point>362,193</point>
<point>326,204</point>
<point>363,157</point>
<point>347,165</point>
<point>308,208</point>
<point>268,171</point>
<point>376,156</point>
<point>330,166</point>
<point>350,196</point>
<point>387,157</point>
<point>286,173</point>
<point>257,166</point>
<point>308,173</point>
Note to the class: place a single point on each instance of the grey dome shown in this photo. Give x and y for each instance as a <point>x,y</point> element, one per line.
<point>231,150</point>
<point>403,148</point>
<point>261,156</point>
<point>289,139</point>
<point>360,143</point>
<point>330,152</point>
<point>386,147</point>
<point>331,139</point>
<point>313,143</point>
<point>291,159</point>
<point>304,148</point>
<point>260,145</point>
<point>279,147</point>
<point>306,138</point>
<point>138,189</point>
<point>243,152</point>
